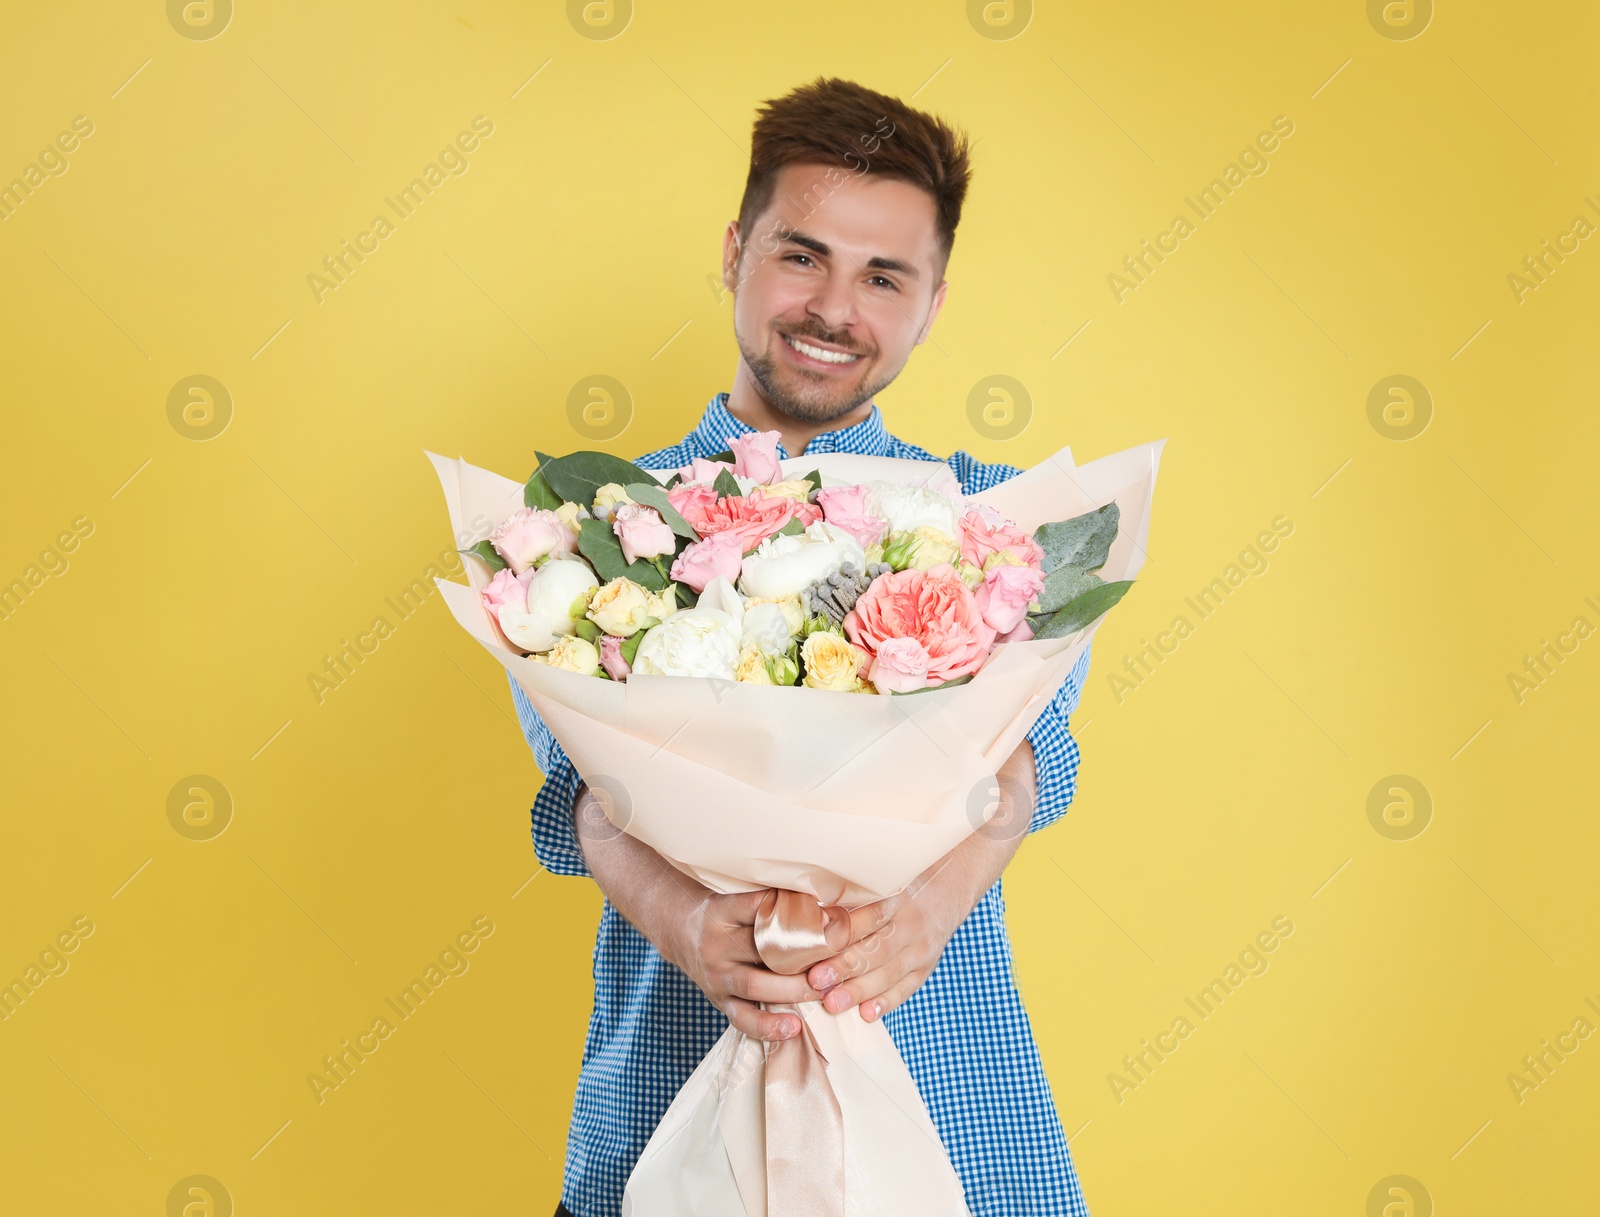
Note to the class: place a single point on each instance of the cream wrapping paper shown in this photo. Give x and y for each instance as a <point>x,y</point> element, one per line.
<point>844,796</point>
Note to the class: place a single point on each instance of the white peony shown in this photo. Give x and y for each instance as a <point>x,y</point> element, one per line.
<point>693,642</point>
<point>908,508</point>
<point>786,564</point>
<point>558,592</point>
<point>766,627</point>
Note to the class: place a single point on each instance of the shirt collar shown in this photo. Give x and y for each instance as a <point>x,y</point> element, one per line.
<point>717,426</point>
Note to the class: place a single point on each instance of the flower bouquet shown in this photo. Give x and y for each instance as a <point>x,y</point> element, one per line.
<point>661,621</point>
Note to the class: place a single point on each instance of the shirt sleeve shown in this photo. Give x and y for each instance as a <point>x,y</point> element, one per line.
<point>1055,752</point>
<point>555,839</point>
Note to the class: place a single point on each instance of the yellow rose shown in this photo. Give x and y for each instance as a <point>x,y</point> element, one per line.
<point>793,488</point>
<point>662,604</point>
<point>932,547</point>
<point>752,667</point>
<point>570,514</point>
<point>573,654</point>
<point>1002,557</point>
<point>607,497</point>
<point>622,608</point>
<point>792,612</point>
<point>834,662</point>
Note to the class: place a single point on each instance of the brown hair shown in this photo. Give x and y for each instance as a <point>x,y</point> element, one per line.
<point>837,122</point>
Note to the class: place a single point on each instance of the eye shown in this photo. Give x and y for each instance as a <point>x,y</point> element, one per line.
<point>890,283</point>
<point>792,257</point>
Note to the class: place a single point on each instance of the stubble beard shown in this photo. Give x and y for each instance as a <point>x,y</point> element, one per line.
<point>795,395</point>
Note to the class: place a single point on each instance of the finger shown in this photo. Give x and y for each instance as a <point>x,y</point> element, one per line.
<point>872,917</point>
<point>750,1019</point>
<point>855,960</point>
<point>755,983</point>
<point>867,987</point>
<point>876,1007</point>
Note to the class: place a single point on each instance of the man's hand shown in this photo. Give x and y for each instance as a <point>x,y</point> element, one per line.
<point>709,937</point>
<point>895,943</point>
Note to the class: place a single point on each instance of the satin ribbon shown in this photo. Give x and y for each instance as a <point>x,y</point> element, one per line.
<point>804,1126</point>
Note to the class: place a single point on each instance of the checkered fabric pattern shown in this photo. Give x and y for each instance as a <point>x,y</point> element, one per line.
<point>964,1034</point>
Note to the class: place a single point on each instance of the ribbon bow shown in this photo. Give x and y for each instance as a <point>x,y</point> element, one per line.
<point>805,1128</point>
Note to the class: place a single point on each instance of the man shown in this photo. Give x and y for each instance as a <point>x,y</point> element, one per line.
<point>837,267</point>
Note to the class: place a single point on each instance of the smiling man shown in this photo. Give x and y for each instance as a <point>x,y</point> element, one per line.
<point>836,264</point>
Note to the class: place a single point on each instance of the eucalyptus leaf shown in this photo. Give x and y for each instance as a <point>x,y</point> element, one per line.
<point>959,680</point>
<point>536,491</point>
<point>487,552</point>
<point>576,477</point>
<point>652,495</point>
<point>630,646</point>
<point>1064,585</point>
<point>791,527</point>
<point>1084,610</point>
<point>599,544</point>
<point>1083,541</point>
<point>725,485</point>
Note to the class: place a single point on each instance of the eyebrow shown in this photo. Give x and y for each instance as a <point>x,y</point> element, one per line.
<point>817,247</point>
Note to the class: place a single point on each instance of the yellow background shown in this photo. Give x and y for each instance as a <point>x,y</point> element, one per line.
<point>1228,788</point>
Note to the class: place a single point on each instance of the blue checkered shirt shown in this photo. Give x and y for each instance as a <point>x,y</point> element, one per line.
<point>964,1034</point>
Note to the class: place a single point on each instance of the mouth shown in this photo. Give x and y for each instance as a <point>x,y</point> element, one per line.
<point>814,355</point>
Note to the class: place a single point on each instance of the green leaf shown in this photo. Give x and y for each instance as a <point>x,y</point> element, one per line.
<point>725,485</point>
<point>576,477</point>
<point>630,646</point>
<point>791,526</point>
<point>586,630</point>
<point>959,680</point>
<point>1083,541</point>
<point>815,478</point>
<point>1064,585</point>
<point>687,594</point>
<point>726,456</point>
<point>599,544</point>
<point>536,491</point>
<point>652,495</point>
<point>487,552</point>
<point>1084,610</point>
<point>677,476</point>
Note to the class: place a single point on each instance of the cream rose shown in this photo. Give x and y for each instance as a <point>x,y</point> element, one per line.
<point>786,564</point>
<point>834,662</point>
<point>752,668</point>
<point>623,608</point>
<point>573,654</point>
<point>607,498</point>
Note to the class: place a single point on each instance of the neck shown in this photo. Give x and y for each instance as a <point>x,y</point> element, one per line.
<point>748,404</point>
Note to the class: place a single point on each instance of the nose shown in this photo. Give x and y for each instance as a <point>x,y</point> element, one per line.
<point>834,305</point>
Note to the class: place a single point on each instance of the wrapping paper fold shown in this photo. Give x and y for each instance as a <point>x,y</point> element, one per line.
<point>844,796</point>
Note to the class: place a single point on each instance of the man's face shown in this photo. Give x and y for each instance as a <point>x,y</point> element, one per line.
<point>840,261</point>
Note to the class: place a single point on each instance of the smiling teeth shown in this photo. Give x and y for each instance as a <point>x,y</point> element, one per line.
<point>805,348</point>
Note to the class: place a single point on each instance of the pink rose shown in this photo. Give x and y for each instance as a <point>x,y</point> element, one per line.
<point>531,534</point>
<point>702,470</point>
<point>932,606</point>
<point>507,587</point>
<point>980,537</point>
<point>846,507</point>
<point>1003,595</point>
<point>611,657</point>
<point>753,517</point>
<point>755,455</point>
<point>900,666</point>
<point>642,531</point>
<point>1022,633</point>
<point>702,561</point>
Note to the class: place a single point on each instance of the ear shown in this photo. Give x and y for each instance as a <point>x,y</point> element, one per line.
<point>732,253</point>
<point>933,311</point>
